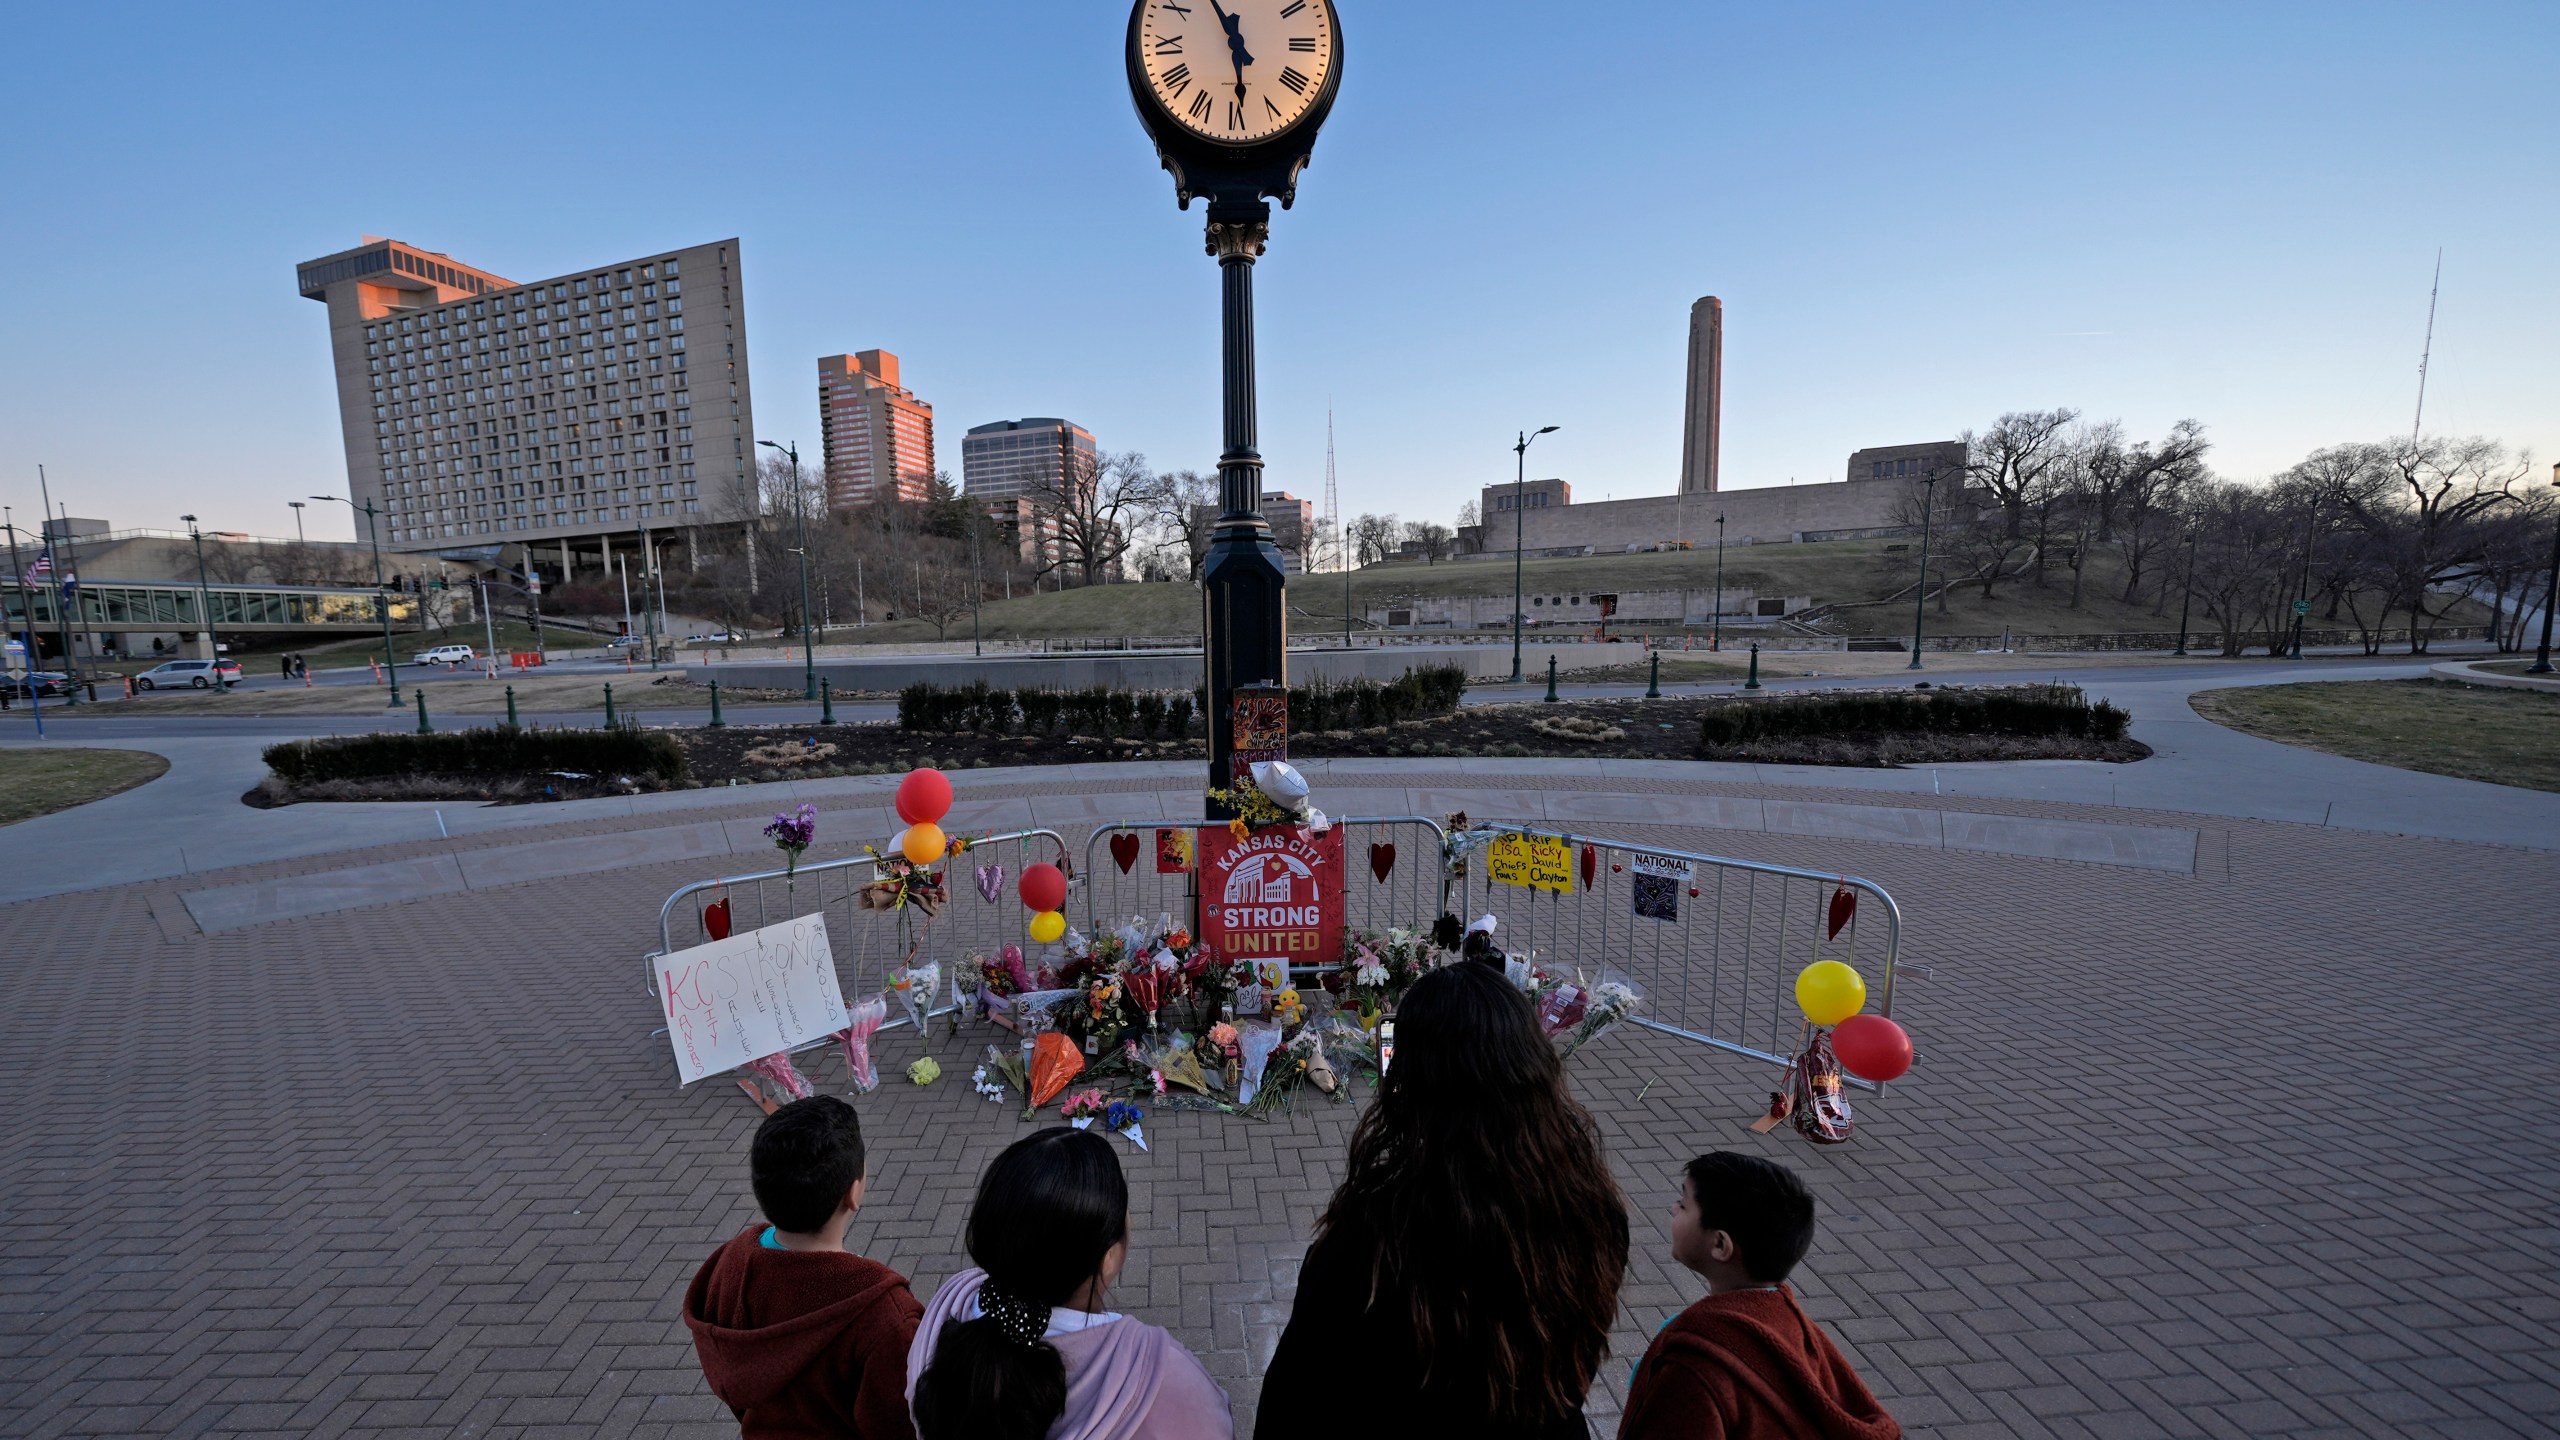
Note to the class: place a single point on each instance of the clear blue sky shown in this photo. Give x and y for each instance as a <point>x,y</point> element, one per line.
<point>1917,216</point>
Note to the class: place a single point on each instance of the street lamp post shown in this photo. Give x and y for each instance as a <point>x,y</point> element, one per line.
<point>648,571</point>
<point>297,522</point>
<point>1715,638</point>
<point>2550,589</point>
<point>381,596</point>
<point>800,510</point>
<point>2187,594</point>
<point>1519,531</point>
<point>1920,605</point>
<point>204,597</point>
<point>2302,596</point>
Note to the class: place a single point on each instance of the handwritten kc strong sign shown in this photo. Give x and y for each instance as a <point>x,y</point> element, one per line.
<point>750,995</point>
<point>1274,895</point>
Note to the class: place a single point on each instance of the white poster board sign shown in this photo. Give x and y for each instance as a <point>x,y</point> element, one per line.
<point>755,993</point>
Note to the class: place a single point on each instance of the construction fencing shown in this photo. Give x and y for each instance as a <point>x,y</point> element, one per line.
<point>870,945</point>
<point>1714,944</point>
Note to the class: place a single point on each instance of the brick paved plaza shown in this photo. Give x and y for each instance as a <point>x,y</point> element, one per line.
<point>2261,1149</point>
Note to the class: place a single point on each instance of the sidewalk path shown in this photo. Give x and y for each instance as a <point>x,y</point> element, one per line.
<point>191,817</point>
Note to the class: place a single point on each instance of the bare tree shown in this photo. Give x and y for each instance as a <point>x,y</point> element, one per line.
<point>229,562</point>
<point>2148,497</point>
<point>1184,514</point>
<point>1468,515</point>
<point>2012,457</point>
<point>2425,507</point>
<point>1099,503</point>
<point>1433,538</point>
<point>1373,538</point>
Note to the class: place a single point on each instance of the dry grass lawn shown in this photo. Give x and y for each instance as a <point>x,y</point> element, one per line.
<point>2506,737</point>
<point>40,781</point>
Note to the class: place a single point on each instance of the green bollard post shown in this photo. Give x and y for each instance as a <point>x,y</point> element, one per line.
<point>1551,677</point>
<point>1754,682</point>
<point>423,727</point>
<point>716,721</point>
<point>826,701</point>
<point>511,707</point>
<point>1653,687</point>
<point>609,722</point>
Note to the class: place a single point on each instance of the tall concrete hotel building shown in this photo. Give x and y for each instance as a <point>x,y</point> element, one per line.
<point>569,416</point>
<point>879,436</point>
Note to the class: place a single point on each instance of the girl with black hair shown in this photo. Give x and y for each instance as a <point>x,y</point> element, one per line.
<point>1021,1348</point>
<point>1464,1279</point>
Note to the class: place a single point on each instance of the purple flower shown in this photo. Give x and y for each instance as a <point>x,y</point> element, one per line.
<point>794,831</point>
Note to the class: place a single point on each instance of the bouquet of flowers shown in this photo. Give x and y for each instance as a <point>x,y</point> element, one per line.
<point>782,1081</point>
<point>1083,1108</point>
<point>791,834</point>
<point>901,884</point>
<point>866,1019</point>
<point>998,1070</point>
<point>1177,1063</point>
<point>1377,968</point>
<point>915,990</point>
<point>1605,1002</point>
<point>1122,1118</point>
<point>1222,1041</point>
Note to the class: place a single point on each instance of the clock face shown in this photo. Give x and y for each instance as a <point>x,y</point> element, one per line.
<point>1237,71</point>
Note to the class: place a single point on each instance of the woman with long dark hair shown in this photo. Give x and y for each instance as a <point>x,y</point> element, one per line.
<point>1021,1348</point>
<point>1464,1279</point>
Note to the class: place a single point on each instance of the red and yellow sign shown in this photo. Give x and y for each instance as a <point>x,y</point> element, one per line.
<point>1274,895</point>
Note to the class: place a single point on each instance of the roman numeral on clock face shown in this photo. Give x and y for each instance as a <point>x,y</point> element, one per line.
<point>1200,104</point>
<point>1177,80</point>
<point>1275,110</point>
<point>1235,114</point>
<point>1294,7</point>
<point>1303,44</point>
<point>1295,81</point>
<point>1182,10</point>
<point>1169,45</point>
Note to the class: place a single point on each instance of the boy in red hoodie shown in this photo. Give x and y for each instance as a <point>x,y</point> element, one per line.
<point>1746,1363</point>
<point>798,1336</point>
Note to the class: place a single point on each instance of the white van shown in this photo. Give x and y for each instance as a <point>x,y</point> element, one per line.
<point>445,655</point>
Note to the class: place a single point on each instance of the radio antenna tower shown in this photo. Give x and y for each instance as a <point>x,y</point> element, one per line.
<point>2428,351</point>
<point>1333,519</point>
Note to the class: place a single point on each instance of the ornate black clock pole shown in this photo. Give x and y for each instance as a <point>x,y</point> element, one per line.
<point>1232,92</point>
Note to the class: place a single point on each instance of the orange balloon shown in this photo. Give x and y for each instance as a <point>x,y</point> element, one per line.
<point>923,844</point>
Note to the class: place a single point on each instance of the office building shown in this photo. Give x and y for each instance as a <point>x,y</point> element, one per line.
<point>1942,458</point>
<point>559,414</point>
<point>879,436</point>
<point>1025,459</point>
<point>1292,522</point>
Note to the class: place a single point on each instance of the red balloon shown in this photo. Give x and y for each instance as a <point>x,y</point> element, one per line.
<point>924,797</point>
<point>1872,1047</point>
<point>1044,887</point>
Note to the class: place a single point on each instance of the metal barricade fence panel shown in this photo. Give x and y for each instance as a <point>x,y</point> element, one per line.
<point>871,945</point>
<point>1411,892</point>
<point>1723,971</point>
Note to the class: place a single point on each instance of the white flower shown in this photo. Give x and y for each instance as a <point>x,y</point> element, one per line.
<point>1369,973</point>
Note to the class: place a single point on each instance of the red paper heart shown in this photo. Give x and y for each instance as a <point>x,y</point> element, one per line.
<point>1382,860</point>
<point>1844,905</point>
<point>1124,850</point>
<point>1614,869</point>
<point>1693,892</point>
<point>715,920</point>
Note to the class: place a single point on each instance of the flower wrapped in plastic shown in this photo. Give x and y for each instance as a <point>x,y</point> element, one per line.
<point>1083,1107</point>
<point>1054,1062</point>
<point>916,990</point>
<point>1254,1048</point>
<point>1605,1002</point>
<point>782,1081</point>
<point>865,1021</point>
<point>1178,1063</point>
<point>1122,1118</point>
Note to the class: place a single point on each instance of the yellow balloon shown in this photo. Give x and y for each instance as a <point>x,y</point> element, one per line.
<point>1829,992</point>
<point>1048,925</point>
<point>923,844</point>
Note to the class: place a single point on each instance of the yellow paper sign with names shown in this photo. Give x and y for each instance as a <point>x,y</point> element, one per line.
<point>1533,862</point>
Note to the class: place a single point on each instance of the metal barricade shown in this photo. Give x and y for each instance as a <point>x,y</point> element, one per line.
<point>1393,874</point>
<point>870,944</point>
<point>1723,971</point>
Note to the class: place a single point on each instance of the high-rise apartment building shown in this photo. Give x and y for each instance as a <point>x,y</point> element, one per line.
<point>568,411</point>
<point>879,436</point>
<point>1025,459</point>
<point>1292,522</point>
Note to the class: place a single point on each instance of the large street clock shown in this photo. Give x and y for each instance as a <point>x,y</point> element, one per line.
<point>1233,90</point>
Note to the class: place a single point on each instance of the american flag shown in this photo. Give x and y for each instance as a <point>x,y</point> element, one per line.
<point>44,562</point>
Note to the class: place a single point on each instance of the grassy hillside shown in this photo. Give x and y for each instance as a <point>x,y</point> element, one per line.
<point>1842,573</point>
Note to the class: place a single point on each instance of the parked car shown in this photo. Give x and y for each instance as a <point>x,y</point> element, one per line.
<point>716,637</point>
<point>189,674</point>
<point>444,655</point>
<point>42,683</point>
<point>622,642</point>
